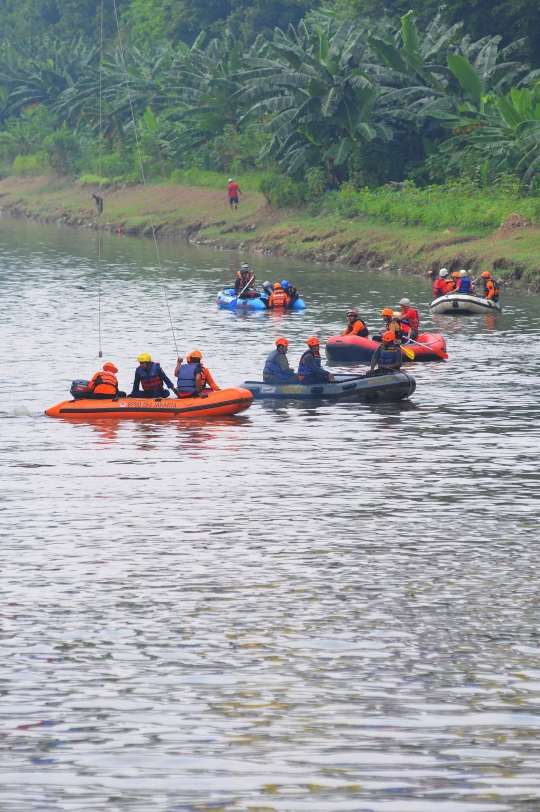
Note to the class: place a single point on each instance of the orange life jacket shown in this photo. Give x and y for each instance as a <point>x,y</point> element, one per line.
<point>104,383</point>
<point>491,289</point>
<point>357,327</point>
<point>278,298</point>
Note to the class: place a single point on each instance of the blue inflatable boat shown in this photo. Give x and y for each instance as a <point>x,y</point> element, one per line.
<point>388,386</point>
<point>259,302</point>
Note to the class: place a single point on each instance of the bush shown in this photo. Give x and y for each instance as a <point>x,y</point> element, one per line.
<point>62,149</point>
<point>30,164</point>
<point>94,180</point>
<point>282,191</point>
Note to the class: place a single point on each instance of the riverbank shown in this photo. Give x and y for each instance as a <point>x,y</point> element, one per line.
<point>203,216</point>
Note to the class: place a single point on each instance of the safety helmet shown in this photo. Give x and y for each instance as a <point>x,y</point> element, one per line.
<point>195,354</point>
<point>352,312</point>
<point>486,274</point>
<point>282,341</point>
<point>456,274</point>
<point>443,272</point>
<point>387,312</point>
<point>277,286</point>
<point>109,367</point>
<point>405,301</point>
<point>463,273</point>
<point>313,341</point>
<point>389,336</point>
<point>144,358</point>
<point>284,284</point>
<point>230,180</point>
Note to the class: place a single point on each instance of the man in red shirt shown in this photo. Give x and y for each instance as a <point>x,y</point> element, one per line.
<point>410,319</point>
<point>233,191</point>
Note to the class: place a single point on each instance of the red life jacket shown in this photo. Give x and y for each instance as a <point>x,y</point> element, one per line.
<point>439,287</point>
<point>150,377</point>
<point>412,317</point>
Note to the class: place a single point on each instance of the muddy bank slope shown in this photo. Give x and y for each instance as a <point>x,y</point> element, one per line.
<point>203,216</point>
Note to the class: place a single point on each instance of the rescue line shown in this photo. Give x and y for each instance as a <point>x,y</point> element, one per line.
<point>233,400</point>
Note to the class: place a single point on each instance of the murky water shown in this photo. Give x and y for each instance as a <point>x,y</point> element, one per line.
<point>300,609</point>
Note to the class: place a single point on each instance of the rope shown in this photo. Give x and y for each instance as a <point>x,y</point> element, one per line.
<point>100,354</point>
<point>149,212</point>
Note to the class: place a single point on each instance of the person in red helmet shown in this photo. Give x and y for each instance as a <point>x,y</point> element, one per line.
<point>104,384</point>
<point>388,355</point>
<point>355,325</point>
<point>309,368</point>
<point>276,368</point>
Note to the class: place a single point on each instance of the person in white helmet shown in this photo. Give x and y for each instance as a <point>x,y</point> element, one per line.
<point>465,283</point>
<point>440,284</point>
<point>410,319</point>
<point>233,190</point>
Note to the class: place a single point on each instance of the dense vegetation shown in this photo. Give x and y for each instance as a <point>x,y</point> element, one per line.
<point>327,102</point>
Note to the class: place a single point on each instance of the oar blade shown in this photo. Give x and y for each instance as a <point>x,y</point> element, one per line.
<point>408,352</point>
<point>232,303</point>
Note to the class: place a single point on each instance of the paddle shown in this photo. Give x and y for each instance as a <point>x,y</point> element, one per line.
<point>437,352</point>
<point>232,303</point>
<point>409,353</point>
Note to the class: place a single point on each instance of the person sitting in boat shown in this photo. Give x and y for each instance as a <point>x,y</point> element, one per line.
<point>291,293</point>
<point>309,368</point>
<point>192,377</point>
<point>278,299</point>
<point>276,368</point>
<point>243,277</point>
<point>410,320</point>
<point>152,378</point>
<point>440,286</point>
<point>391,324</point>
<point>387,356</point>
<point>104,384</point>
<point>355,325</point>
<point>465,283</point>
<point>491,287</point>
<point>452,284</point>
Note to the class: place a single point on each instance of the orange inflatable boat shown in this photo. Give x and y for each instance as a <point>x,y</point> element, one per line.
<point>216,404</point>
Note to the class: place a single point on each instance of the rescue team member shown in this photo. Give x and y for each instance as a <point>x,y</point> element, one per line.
<point>410,319</point>
<point>465,284</point>
<point>355,325</point>
<point>491,287</point>
<point>242,278</point>
<point>152,379</point>
<point>276,368</point>
<point>392,324</point>
<point>388,355</point>
<point>98,201</point>
<point>309,368</point>
<point>279,298</point>
<point>291,291</point>
<point>105,384</point>
<point>440,286</point>
<point>191,373</point>
<point>233,190</point>
<point>452,284</point>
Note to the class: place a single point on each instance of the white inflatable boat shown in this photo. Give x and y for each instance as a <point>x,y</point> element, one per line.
<point>463,303</point>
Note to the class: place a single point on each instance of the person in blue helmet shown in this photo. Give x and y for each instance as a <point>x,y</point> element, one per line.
<point>292,293</point>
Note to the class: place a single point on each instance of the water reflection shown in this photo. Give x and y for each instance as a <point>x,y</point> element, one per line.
<point>306,607</point>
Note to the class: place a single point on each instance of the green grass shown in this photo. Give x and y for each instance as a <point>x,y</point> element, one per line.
<point>248,182</point>
<point>437,207</point>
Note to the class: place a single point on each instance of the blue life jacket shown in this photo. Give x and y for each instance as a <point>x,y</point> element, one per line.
<point>273,368</point>
<point>465,285</point>
<point>150,377</point>
<point>186,377</point>
<point>303,368</point>
<point>388,356</point>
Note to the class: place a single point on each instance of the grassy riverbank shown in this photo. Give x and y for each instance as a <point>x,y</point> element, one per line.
<point>202,214</point>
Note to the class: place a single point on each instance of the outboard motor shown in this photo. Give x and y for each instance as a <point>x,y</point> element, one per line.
<point>80,390</point>
<point>268,288</point>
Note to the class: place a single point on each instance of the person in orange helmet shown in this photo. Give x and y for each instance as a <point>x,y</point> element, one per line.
<point>391,323</point>
<point>309,368</point>
<point>452,284</point>
<point>355,325</point>
<point>491,287</point>
<point>192,378</point>
<point>279,298</point>
<point>388,355</point>
<point>104,384</point>
<point>276,368</point>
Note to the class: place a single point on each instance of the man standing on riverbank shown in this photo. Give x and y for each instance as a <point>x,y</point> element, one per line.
<point>233,190</point>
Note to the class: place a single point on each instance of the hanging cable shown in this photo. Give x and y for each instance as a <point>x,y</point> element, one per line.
<point>100,353</point>
<point>149,212</point>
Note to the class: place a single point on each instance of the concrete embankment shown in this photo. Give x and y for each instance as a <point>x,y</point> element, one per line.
<point>203,216</point>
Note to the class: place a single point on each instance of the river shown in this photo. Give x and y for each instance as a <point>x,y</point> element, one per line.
<point>299,609</point>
